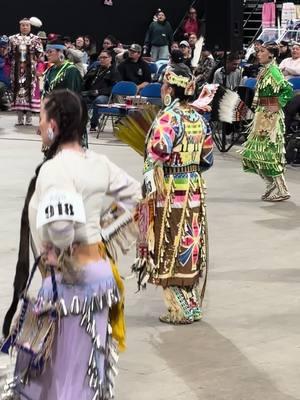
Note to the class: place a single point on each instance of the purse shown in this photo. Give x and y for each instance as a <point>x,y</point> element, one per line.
<point>35,329</point>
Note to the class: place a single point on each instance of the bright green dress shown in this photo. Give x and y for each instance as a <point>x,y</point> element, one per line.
<point>263,152</point>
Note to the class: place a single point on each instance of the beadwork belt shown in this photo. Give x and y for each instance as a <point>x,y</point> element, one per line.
<point>268,101</point>
<point>182,169</point>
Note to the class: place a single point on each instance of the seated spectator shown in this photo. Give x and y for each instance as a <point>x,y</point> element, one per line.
<point>229,76</point>
<point>290,67</point>
<point>219,57</point>
<point>284,51</point>
<point>176,60</point>
<point>90,48</point>
<point>174,46</point>
<point>4,62</point>
<point>253,59</point>
<point>193,39</point>
<point>98,84</point>
<point>110,43</point>
<point>134,68</point>
<point>205,67</point>
<point>79,45</point>
<point>186,51</point>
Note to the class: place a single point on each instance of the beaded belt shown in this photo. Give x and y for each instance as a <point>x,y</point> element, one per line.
<point>268,101</point>
<point>183,169</point>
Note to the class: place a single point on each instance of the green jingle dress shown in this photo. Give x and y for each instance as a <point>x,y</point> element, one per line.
<point>263,151</point>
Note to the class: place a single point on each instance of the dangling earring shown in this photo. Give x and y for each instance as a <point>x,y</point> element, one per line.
<point>61,58</point>
<point>50,134</point>
<point>167,100</point>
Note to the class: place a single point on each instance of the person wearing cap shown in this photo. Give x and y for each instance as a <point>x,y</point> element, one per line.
<point>42,35</point>
<point>159,37</point>
<point>62,74</point>
<point>134,68</point>
<point>186,51</point>
<point>25,49</point>
<point>290,66</point>
<point>172,245</point>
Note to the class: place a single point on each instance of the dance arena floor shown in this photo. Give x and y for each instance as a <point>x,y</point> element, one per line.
<point>248,345</point>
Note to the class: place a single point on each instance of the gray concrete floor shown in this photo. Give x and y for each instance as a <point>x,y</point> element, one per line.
<point>248,345</point>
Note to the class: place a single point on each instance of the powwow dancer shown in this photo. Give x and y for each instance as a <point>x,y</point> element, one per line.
<point>66,340</point>
<point>25,50</point>
<point>172,249</point>
<point>263,152</point>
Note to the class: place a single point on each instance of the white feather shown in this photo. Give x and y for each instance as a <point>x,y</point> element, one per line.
<point>34,21</point>
<point>228,106</point>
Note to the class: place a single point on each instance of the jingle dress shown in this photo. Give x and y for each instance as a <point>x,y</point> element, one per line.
<point>172,248</point>
<point>263,151</point>
<point>84,351</point>
<point>25,51</point>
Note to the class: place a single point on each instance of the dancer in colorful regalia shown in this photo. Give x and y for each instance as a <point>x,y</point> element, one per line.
<point>173,247</point>
<point>67,340</point>
<point>263,153</point>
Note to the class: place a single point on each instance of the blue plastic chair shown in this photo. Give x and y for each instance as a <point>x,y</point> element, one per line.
<point>250,83</point>
<point>295,82</point>
<point>123,89</point>
<point>151,90</point>
<point>153,93</point>
<point>153,68</point>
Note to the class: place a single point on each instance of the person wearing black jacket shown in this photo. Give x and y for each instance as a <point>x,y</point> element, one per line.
<point>135,69</point>
<point>159,37</point>
<point>98,83</point>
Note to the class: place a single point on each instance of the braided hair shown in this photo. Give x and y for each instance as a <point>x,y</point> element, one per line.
<point>70,114</point>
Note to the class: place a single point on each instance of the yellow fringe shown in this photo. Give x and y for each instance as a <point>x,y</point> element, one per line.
<point>117,314</point>
<point>159,180</point>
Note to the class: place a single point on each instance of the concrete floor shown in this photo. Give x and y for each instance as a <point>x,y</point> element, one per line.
<point>248,345</point>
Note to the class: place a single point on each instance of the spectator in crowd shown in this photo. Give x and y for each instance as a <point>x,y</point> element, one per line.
<point>62,74</point>
<point>110,43</point>
<point>76,57</point>
<point>79,45</point>
<point>90,48</point>
<point>205,67</point>
<point>159,37</point>
<point>43,37</point>
<point>177,60</point>
<point>284,51</point>
<point>290,67</point>
<point>134,68</point>
<point>4,62</point>
<point>253,58</point>
<point>174,46</point>
<point>229,76</point>
<point>219,57</point>
<point>98,84</point>
<point>192,42</point>
<point>191,24</point>
<point>68,42</point>
<point>186,51</point>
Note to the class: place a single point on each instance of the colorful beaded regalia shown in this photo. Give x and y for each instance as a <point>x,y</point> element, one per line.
<point>25,51</point>
<point>263,152</point>
<point>172,248</point>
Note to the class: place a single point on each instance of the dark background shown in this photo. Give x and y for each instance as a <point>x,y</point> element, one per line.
<point>126,19</point>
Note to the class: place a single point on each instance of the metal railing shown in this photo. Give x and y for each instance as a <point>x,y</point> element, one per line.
<point>253,11</point>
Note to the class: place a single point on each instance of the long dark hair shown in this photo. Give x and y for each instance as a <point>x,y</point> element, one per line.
<point>65,107</point>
